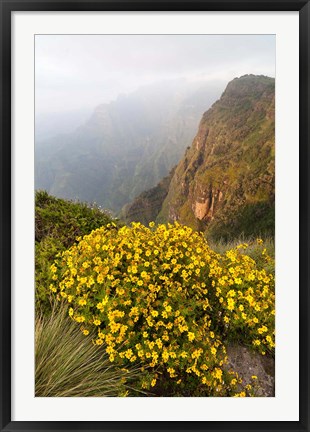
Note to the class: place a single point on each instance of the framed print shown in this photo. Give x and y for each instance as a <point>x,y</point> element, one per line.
<point>154,215</point>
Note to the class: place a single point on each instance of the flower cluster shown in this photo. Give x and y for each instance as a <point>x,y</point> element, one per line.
<point>156,296</point>
<point>245,298</point>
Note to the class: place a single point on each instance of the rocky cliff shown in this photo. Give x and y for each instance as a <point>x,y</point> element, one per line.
<point>225,182</point>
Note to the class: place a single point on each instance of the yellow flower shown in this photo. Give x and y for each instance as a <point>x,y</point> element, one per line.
<point>82,302</point>
<point>165,356</point>
<point>241,394</point>
<point>197,353</point>
<point>262,329</point>
<point>53,288</point>
<point>53,268</point>
<point>191,336</point>
<point>97,322</point>
<point>231,304</point>
<point>217,373</point>
<point>213,350</point>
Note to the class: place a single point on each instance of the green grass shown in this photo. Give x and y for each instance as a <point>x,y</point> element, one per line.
<point>67,364</point>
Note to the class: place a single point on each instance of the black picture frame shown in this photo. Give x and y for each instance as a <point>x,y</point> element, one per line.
<point>6,8</point>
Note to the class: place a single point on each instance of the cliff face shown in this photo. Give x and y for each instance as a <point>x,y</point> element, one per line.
<point>225,181</point>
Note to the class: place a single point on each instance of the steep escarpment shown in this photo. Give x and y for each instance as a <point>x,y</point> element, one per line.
<point>225,182</point>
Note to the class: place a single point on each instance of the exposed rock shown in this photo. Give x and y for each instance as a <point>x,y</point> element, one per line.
<point>225,182</point>
<point>247,363</point>
<point>201,209</point>
<point>222,187</point>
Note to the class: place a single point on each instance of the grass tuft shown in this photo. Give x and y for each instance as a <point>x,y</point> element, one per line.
<point>67,364</point>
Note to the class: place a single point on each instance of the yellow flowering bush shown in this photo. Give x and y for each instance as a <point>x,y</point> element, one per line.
<point>159,297</point>
<point>243,297</point>
<point>145,292</point>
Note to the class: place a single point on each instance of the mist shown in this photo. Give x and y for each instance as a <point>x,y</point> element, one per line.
<point>75,73</point>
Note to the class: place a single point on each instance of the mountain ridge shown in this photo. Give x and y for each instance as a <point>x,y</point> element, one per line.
<point>225,182</point>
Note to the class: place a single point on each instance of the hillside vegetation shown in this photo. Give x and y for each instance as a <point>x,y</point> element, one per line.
<point>58,223</point>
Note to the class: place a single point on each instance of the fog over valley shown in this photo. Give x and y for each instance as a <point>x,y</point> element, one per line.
<point>115,113</point>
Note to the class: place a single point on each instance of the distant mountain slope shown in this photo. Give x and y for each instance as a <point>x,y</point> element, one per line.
<point>146,206</point>
<point>225,182</point>
<point>126,147</point>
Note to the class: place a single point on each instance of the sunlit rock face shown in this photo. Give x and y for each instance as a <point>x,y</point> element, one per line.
<point>225,181</point>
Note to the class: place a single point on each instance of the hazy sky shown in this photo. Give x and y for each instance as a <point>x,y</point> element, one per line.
<point>80,71</point>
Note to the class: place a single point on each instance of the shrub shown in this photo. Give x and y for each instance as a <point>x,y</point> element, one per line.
<point>150,295</point>
<point>161,297</point>
<point>145,291</point>
<point>67,364</point>
<point>57,224</point>
<point>64,219</point>
<point>244,299</point>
